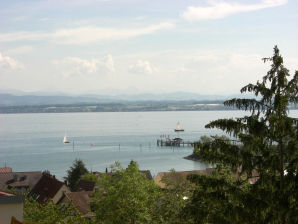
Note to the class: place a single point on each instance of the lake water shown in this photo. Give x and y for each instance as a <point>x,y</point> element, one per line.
<point>33,142</point>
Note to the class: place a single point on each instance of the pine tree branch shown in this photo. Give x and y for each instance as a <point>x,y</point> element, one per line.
<point>247,104</point>
<point>219,151</point>
<point>228,125</point>
<point>292,87</point>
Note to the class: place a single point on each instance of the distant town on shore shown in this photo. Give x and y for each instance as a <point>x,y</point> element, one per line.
<point>21,102</point>
<point>116,107</point>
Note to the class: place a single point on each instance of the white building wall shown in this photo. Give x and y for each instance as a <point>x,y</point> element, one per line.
<point>9,210</point>
<point>58,196</point>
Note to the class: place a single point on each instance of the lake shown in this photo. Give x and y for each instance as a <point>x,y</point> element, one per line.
<point>34,142</point>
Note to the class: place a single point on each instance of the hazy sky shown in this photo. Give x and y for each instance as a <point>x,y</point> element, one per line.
<point>201,46</point>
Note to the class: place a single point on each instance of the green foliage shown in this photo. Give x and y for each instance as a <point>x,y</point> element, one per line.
<point>49,213</point>
<point>90,177</point>
<point>265,144</point>
<point>125,196</point>
<point>75,172</point>
<point>218,199</point>
<point>173,199</point>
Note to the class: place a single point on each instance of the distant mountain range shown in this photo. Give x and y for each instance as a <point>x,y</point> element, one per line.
<point>8,99</point>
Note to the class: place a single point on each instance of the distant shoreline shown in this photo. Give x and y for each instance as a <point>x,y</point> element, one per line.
<point>4,111</point>
<point>146,107</point>
<point>121,107</point>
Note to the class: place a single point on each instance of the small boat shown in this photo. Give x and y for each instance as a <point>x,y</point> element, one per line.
<point>65,141</point>
<point>179,129</point>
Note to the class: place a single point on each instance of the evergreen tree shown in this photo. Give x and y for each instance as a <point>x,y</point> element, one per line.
<point>264,145</point>
<point>75,172</point>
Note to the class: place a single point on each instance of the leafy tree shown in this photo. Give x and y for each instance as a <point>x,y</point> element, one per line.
<point>125,196</point>
<point>75,172</point>
<point>90,177</point>
<point>172,199</point>
<point>49,213</point>
<point>265,143</point>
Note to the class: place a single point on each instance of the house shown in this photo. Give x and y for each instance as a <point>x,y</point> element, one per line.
<point>48,187</point>
<point>21,182</point>
<point>10,206</point>
<point>177,176</point>
<point>5,170</point>
<point>80,200</point>
<point>147,174</point>
<point>85,185</point>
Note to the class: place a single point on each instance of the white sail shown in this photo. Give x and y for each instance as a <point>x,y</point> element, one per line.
<point>65,140</point>
<point>178,126</point>
<point>178,129</point>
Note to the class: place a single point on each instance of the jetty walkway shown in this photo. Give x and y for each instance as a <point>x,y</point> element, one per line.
<point>176,142</point>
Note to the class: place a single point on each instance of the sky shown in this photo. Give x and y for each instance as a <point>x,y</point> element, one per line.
<point>143,46</point>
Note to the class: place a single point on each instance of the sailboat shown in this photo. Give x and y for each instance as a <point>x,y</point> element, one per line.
<point>65,141</point>
<point>179,129</point>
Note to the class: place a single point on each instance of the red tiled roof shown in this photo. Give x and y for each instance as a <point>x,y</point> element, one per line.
<point>85,185</point>
<point>46,188</point>
<point>19,179</point>
<point>2,193</point>
<point>5,170</point>
<point>80,200</point>
<point>147,174</point>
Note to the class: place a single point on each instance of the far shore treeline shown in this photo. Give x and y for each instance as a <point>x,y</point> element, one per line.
<point>118,107</point>
<point>123,107</point>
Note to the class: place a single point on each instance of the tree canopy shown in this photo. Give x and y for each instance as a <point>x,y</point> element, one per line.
<point>263,145</point>
<point>75,172</point>
<point>50,213</point>
<point>124,196</point>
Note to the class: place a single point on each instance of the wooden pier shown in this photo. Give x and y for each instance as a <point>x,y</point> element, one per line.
<point>176,142</point>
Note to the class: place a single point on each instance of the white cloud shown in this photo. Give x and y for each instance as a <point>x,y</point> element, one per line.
<point>142,66</point>
<point>183,69</point>
<point>109,62</point>
<point>91,34</point>
<point>84,34</point>
<point>9,63</point>
<point>222,9</point>
<point>78,66</point>
<point>23,35</point>
<point>217,61</point>
<point>225,72</point>
<point>19,50</point>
